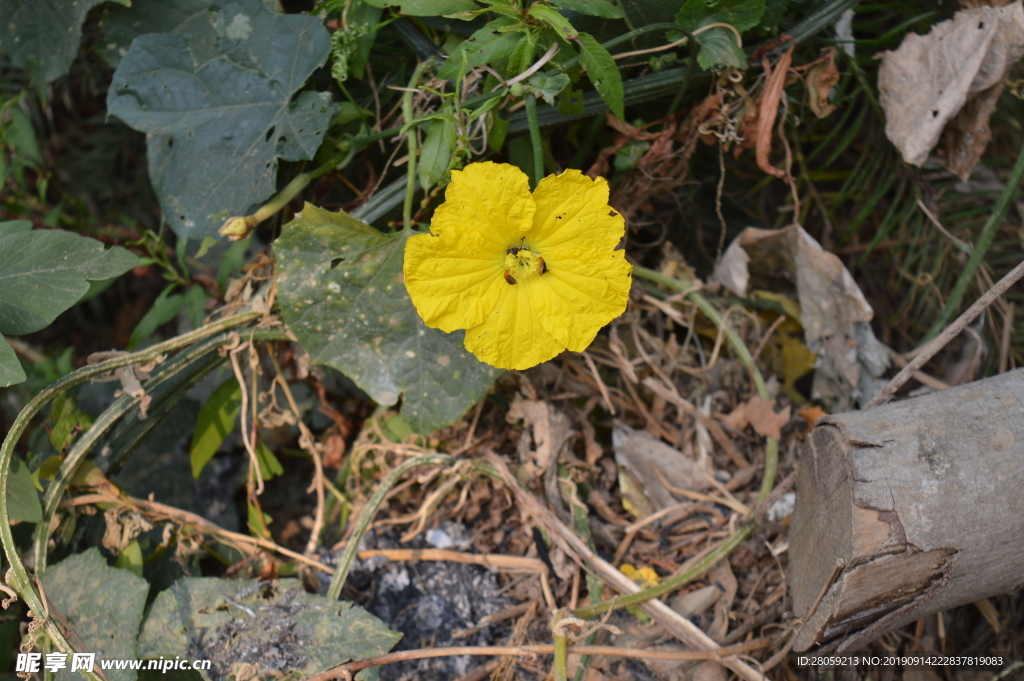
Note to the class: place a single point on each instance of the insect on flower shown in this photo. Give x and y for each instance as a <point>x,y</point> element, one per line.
<point>528,275</point>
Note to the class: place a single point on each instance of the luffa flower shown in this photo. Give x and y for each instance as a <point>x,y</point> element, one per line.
<point>527,275</point>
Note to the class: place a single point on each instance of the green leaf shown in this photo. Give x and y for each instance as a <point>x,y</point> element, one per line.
<point>719,49</point>
<point>485,46</point>
<point>195,305</point>
<point>257,520</point>
<point>718,46</point>
<point>437,152</point>
<point>122,25</point>
<point>496,135</point>
<point>217,128</point>
<point>165,308</point>
<point>556,21</point>
<point>231,262</point>
<point>61,435</point>
<point>130,558</point>
<point>270,467</point>
<point>341,293</point>
<point>104,604</point>
<point>603,72</point>
<point>43,273</point>
<point>11,371</point>
<point>215,422</point>
<point>311,632</point>
<point>570,102</point>
<point>521,57</point>
<point>42,36</point>
<point>547,85</point>
<point>205,245</point>
<point>773,11</point>
<point>22,497</point>
<point>23,136</point>
<point>427,8</point>
<point>594,8</point>
<point>742,14</point>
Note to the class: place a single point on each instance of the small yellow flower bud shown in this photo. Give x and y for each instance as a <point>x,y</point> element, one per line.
<point>237,228</point>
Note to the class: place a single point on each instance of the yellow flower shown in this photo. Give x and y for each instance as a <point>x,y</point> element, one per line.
<point>527,276</point>
<point>645,576</point>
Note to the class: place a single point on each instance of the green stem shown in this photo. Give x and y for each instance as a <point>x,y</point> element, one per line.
<point>770,463</point>
<point>988,233</point>
<point>535,141</point>
<point>238,228</point>
<point>20,579</point>
<point>407,114</point>
<point>560,667</point>
<point>771,456</point>
<point>672,583</point>
<point>626,37</point>
<point>366,517</point>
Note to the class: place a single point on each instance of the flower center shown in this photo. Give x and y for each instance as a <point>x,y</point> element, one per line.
<point>521,262</point>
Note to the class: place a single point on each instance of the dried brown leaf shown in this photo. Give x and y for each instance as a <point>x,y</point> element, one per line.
<point>833,311</point>
<point>653,463</point>
<point>768,109</point>
<point>950,77</point>
<point>737,418</point>
<point>764,419</point>
<point>820,80</point>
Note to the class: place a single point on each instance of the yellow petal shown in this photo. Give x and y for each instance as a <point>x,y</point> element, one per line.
<point>573,210</point>
<point>580,293</point>
<point>587,283</point>
<point>511,336</point>
<point>489,199</point>
<point>453,280</point>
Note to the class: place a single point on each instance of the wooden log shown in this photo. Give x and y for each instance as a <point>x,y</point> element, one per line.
<point>923,502</point>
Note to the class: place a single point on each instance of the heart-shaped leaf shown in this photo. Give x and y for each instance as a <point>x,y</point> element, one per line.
<point>341,292</point>
<point>218,127</point>
<point>274,630</point>
<point>103,605</point>
<point>42,273</point>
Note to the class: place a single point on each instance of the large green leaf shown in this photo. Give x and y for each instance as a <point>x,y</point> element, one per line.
<point>341,293</point>
<point>122,25</point>
<point>103,605</point>
<point>603,72</point>
<point>42,36</point>
<point>718,46</point>
<point>485,46</point>
<point>272,630</point>
<point>216,128</point>
<point>43,273</point>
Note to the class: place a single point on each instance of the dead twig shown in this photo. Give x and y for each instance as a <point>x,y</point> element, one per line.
<point>951,331</point>
<point>724,654</point>
<point>679,626</point>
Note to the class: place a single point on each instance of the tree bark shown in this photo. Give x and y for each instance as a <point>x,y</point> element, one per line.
<point>923,502</point>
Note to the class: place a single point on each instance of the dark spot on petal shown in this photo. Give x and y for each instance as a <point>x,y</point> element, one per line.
<point>612,214</point>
